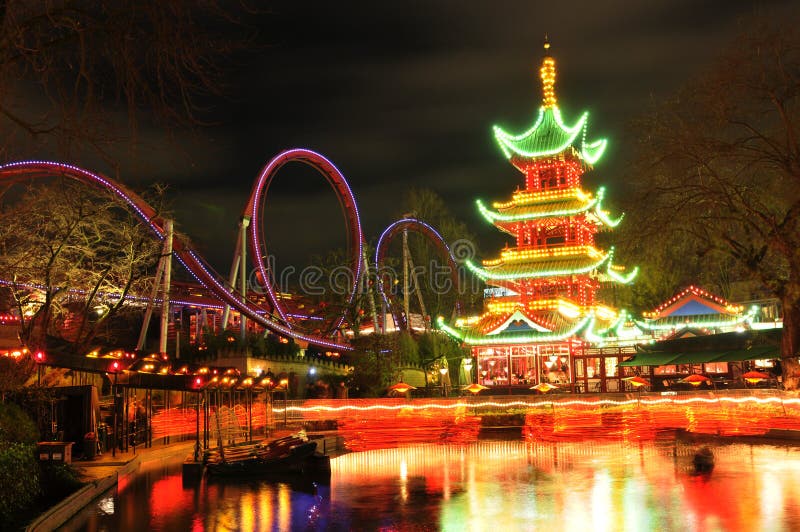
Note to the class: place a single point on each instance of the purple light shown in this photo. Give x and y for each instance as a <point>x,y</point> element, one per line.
<point>186,256</point>
<point>346,200</point>
<point>414,224</point>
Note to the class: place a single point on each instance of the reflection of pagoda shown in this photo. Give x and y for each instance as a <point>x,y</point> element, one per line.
<point>541,307</point>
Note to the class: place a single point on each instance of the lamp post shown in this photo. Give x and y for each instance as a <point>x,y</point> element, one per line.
<point>443,372</point>
<point>285,385</point>
<point>467,362</point>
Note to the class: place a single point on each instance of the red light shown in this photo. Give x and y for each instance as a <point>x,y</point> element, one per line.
<point>39,356</point>
<point>198,381</point>
<point>115,365</point>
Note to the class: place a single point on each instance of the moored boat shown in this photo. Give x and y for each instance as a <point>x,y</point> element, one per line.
<point>290,455</point>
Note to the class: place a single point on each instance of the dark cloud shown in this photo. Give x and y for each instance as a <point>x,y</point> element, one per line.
<point>404,94</point>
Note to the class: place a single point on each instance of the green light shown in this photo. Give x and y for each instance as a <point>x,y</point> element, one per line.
<point>601,214</point>
<point>487,275</point>
<point>491,216</point>
<point>589,333</point>
<point>472,339</point>
<point>550,136</point>
<point>699,324</point>
<point>622,279</point>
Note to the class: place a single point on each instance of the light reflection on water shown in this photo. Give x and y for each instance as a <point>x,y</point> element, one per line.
<point>489,485</point>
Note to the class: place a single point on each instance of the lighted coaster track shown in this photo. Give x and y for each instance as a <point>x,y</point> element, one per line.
<point>255,209</point>
<point>398,228</point>
<point>195,265</point>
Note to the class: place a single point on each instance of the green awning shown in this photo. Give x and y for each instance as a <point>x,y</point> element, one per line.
<point>699,357</point>
<point>754,353</point>
<point>650,359</point>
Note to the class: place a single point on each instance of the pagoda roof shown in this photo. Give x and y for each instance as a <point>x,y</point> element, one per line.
<point>585,260</point>
<point>516,332</point>
<point>694,301</point>
<point>526,207</point>
<point>550,136</point>
<point>545,266</point>
<point>515,327</point>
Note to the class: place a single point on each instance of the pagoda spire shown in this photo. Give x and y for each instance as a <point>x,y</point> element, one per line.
<point>548,75</point>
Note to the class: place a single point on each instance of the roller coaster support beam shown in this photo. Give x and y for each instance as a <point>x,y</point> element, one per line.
<point>148,313</point>
<point>369,291</point>
<point>406,302</point>
<point>418,290</point>
<point>238,260</point>
<point>167,258</point>
<point>243,276</point>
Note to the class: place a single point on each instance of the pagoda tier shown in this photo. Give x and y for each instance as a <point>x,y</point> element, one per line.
<point>525,211</point>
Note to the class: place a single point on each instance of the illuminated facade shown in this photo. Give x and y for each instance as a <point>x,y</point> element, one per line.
<point>541,309</point>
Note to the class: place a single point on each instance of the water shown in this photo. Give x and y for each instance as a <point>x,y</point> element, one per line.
<point>487,485</point>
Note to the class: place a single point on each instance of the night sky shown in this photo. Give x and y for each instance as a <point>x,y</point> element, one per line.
<point>402,94</point>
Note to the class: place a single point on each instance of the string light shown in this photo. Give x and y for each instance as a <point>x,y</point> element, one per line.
<point>533,272</point>
<point>699,292</point>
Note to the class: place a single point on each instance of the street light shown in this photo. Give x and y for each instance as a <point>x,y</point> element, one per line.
<point>468,368</point>
<point>284,383</point>
<point>443,371</point>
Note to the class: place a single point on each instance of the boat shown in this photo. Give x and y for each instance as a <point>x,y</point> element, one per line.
<point>289,455</point>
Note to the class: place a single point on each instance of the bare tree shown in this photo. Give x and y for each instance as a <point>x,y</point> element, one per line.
<point>719,168</point>
<point>71,255</point>
<point>72,71</point>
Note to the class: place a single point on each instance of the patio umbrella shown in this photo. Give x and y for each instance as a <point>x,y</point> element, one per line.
<point>543,387</point>
<point>475,388</point>
<point>754,377</point>
<point>637,381</point>
<point>696,379</point>
<point>401,387</point>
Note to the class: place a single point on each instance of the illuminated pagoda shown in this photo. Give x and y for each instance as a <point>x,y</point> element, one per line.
<point>540,311</point>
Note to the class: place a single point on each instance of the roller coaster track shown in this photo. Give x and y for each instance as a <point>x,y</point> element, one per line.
<point>254,212</point>
<point>417,226</point>
<point>194,264</point>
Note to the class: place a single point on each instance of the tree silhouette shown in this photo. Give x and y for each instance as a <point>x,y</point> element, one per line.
<point>719,170</point>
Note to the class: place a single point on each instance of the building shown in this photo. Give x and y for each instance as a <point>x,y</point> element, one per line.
<point>541,310</point>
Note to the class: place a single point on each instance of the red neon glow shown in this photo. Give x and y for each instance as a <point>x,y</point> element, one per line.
<point>754,377</point>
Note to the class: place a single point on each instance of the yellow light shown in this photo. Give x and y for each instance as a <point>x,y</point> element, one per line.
<point>548,75</point>
<point>568,309</point>
<point>605,313</point>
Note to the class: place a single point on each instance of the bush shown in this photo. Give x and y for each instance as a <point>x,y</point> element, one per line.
<point>58,480</point>
<point>19,480</point>
<point>16,426</point>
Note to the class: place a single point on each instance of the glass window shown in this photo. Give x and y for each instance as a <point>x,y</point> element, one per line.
<point>611,367</point>
<point>665,370</point>
<point>716,367</point>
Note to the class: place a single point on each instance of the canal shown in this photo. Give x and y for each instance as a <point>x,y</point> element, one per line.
<point>484,485</point>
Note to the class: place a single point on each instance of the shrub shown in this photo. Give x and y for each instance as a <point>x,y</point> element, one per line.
<point>16,426</point>
<point>19,479</point>
<point>58,480</point>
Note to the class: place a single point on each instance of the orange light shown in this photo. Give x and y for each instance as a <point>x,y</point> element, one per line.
<point>754,377</point>
<point>696,379</point>
<point>637,381</point>
<point>401,387</point>
<point>475,388</point>
<point>543,387</point>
